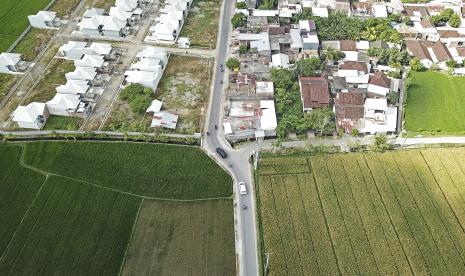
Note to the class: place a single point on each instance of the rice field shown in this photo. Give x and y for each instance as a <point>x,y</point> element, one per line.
<point>393,213</point>
<point>60,217</point>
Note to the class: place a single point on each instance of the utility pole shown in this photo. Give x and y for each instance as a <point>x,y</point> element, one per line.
<point>267,263</point>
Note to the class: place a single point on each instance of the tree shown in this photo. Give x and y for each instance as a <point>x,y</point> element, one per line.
<point>140,103</point>
<point>416,65</point>
<point>233,63</point>
<point>451,64</point>
<point>381,143</point>
<point>393,98</point>
<point>394,18</point>
<point>454,20</point>
<point>307,67</point>
<point>282,78</point>
<point>321,119</point>
<point>239,20</point>
<point>305,14</point>
<point>407,21</point>
<point>243,48</point>
<point>241,5</point>
<point>333,55</point>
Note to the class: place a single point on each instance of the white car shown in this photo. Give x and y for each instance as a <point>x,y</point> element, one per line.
<point>242,188</point>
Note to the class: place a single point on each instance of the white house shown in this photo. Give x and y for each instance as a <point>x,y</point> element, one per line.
<point>88,74</point>
<point>149,79</point>
<point>63,104</point>
<point>378,117</point>
<point>379,84</point>
<point>103,25</point>
<point>264,89</point>
<point>268,121</point>
<point>93,11</point>
<point>75,87</point>
<point>9,63</point>
<point>379,11</point>
<point>44,20</point>
<point>280,61</point>
<point>33,116</point>
<point>153,53</point>
<point>147,64</point>
<point>94,61</point>
<point>320,11</point>
<point>73,50</point>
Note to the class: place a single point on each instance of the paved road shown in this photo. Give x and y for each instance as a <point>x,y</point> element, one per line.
<point>246,233</point>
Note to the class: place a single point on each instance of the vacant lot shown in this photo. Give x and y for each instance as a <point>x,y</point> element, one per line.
<point>54,224</point>
<point>201,25</point>
<point>183,89</point>
<point>435,103</point>
<point>173,248</point>
<point>365,214</point>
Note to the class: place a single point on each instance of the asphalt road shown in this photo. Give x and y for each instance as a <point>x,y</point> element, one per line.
<point>237,162</point>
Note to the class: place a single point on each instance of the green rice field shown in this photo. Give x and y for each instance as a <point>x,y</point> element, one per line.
<point>60,220</point>
<point>393,213</point>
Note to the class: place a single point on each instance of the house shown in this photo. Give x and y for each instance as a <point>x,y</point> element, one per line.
<point>154,107</point>
<point>102,49</point>
<point>122,15</point>
<point>92,12</point>
<point>314,92</point>
<point>343,6</point>
<point>164,119</point>
<point>63,104</point>
<point>378,117</point>
<point>362,9</point>
<point>268,121</point>
<point>310,42</point>
<point>258,42</point>
<point>279,61</point>
<point>320,11</point>
<point>349,110</point>
<point>349,48</point>
<point>33,116</point>
<point>264,89</point>
<point>75,87</point>
<point>44,20</point>
<point>154,53</point>
<point>9,63</point>
<point>429,52</point>
<point>379,11</point>
<point>307,26</point>
<point>73,50</point>
<point>149,79</point>
<point>352,69</point>
<point>103,25</point>
<point>93,61</point>
<point>147,64</point>
<point>88,74</point>
<point>378,85</point>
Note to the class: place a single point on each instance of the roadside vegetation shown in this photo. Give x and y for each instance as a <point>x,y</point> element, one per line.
<point>6,83</point>
<point>63,123</point>
<point>59,219</point>
<point>364,213</point>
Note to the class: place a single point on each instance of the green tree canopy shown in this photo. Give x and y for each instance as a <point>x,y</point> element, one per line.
<point>239,20</point>
<point>233,63</point>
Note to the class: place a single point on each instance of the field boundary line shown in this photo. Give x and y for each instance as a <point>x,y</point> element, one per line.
<point>308,226</point>
<point>403,215</point>
<point>358,214</point>
<point>451,236</point>
<point>325,218</point>
<point>293,226</point>
<point>22,219</point>
<point>390,218</point>
<point>419,211</point>
<point>379,221</point>
<point>22,163</point>
<point>437,183</point>
<point>342,216</point>
<point>130,237</point>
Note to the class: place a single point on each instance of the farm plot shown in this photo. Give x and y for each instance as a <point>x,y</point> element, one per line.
<point>163,171</point>
<point>13,19</point>
<point>54,224</point>
<point>197,238</point>
<point>390,213</point>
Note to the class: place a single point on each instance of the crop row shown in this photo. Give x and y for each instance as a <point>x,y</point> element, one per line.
<point>163,171</point>
<point>284,169</point>
<point>282,160</point>
<point>72,227</point>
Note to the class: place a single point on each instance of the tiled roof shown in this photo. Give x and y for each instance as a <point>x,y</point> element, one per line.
<point>354,65</point>
<point>380,79</point>
<point>314,91</point>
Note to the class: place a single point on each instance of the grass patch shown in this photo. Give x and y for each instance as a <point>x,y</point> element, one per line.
<point>64,8</point>
<point>435,103</point>
<point>6,41</point>
<point>6,83</point>
<point>201,25</point>
<point>197,238</point>
<point>63,123</point>
<point>163,171</point>
<point>377,213</point>
<point>53,77</point>
<point>33,43</point>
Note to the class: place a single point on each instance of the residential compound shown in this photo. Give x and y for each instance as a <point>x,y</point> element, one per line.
<point>361,86</point>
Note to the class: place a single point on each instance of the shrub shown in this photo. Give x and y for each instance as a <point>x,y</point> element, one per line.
<point>239,20</point>
<point>241,5</point>
<point>233,63</point>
